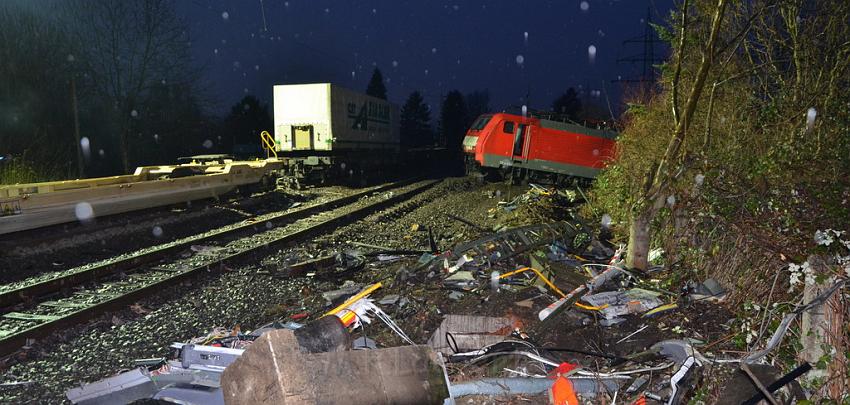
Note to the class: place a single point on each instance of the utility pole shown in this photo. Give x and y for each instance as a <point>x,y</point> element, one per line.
<point>647,57</point>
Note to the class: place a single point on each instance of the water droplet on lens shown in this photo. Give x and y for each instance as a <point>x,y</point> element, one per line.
<point>84,211</point>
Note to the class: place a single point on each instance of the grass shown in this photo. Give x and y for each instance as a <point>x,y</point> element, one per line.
<point>20,171</point>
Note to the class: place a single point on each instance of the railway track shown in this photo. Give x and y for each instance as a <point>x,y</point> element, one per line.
<point>37,309</point>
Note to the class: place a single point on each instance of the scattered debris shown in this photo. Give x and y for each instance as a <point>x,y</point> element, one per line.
<point>349,287</point>
<point>391,299</point>
<point>615,304</point>
<point>204,250</point>
<point>642,328</point>
<point>299,316</point>
<point>455,295</point>
<point>9,384</point>
<point>460,262</point>
<point>507,386</point>
<point>514,312</point>
<point>461,281</point>
<point>364,343</point>
<point>709,289</point>
<point>579,291</point>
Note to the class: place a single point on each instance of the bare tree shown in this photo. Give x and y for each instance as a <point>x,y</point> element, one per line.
<point>128,48</point>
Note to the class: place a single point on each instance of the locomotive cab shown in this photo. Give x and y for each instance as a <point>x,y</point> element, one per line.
<point>489,131</point>
<point>470,142</point>
<point>471,138</point>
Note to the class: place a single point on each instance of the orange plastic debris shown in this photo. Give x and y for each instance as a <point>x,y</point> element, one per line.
<point>640,401</point>
<point>348,318</point>
<point>562,392</point>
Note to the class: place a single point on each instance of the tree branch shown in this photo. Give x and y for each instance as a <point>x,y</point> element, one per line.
<point>679,55</point>
<point>662,175</point>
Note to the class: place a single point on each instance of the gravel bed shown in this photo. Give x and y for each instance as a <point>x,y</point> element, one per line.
<point>407,227</point>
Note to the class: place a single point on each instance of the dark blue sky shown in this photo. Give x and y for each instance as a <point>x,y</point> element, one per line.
<point>509,47</point>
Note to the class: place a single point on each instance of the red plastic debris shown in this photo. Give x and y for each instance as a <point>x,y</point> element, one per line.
<point>564,369</point>
<point>300,315</point>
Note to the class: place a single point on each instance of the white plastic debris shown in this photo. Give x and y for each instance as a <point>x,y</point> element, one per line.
<point>460,262</point>
<point>655,254</point>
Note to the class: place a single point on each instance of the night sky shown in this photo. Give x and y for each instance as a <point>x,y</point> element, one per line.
<point>511,48</point>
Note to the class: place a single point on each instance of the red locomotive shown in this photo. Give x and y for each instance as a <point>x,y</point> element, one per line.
<point>537,148</point>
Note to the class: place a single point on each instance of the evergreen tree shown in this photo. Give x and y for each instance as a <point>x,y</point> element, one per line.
<point>376,86</point>
<point>247,119</point>
<point>169,128</point>
<point>477,103</point>
<point>454,120</point>
<point>416,121</point>
<point>568,104</point>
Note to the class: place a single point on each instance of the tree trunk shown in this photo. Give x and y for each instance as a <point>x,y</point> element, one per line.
<point>637,255</point>
<point>79,147</point>
<point>680,222</point>
<point>125,155</point>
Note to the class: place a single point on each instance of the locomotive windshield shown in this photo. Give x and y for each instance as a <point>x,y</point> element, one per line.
<point>481,122</point>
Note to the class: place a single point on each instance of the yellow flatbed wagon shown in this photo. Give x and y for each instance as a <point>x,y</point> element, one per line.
<point>35,205</point>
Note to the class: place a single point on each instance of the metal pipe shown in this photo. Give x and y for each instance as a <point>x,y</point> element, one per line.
<point>504,386</point>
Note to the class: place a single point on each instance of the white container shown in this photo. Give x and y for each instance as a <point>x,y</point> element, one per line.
<point>326,117</point>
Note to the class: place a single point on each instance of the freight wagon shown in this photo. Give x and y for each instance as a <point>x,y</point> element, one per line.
<point>518,147</point>
<point>327,132</point>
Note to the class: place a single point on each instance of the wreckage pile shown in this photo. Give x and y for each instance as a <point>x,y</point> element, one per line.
<point>542,312</point>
